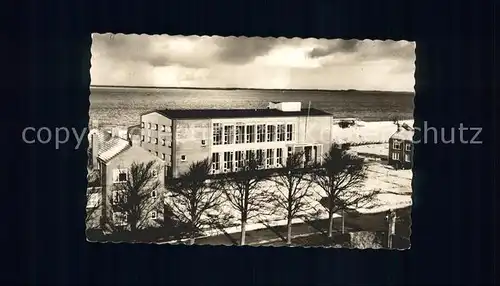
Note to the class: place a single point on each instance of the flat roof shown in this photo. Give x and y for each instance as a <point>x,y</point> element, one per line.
<point>237,113</point>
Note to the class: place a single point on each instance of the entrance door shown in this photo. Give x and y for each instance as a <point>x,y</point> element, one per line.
<point>308,154</point>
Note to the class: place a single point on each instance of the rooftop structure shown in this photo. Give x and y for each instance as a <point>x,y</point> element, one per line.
<point>275,109</point>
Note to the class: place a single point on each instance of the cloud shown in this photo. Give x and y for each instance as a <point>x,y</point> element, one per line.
<point>242,50</point>
<point>365,50</point>
<point>335,46</point>
<point>194,61</point>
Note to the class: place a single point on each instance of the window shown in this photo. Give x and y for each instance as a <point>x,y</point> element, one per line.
<point>183,158</point>
<point>281,132</point>
<point>408,147</point>
<point>261,132</point>
<point>142,138</point>
<point>228,134</point>
<point>270,158</point>
<point>259,156</point>
<point>248,155</point>
<point>149,139</point>
<point>217,134</point>
<point>118,197</point>
<point>239,160</point>
<point>279,157</point>
<point>120,175</point>
<point>395,156</point>
<point>271,133</point>
<point>156,153</point>
<point>203,142</point>
<point>250,134</point>
<point>153,194</point>
<point>289,132</point>
<point>93,200</point>
<point>290,151</point>
<point>163,141</point>
<point>149,125</point>
<point>240,134</point>
<point>153,214</point>
<point>156,140</point>
<point>155,127</point>
<point>396,145</point>
<point>163,156</point>
<point>142,124</point>
<point>120,218</point>
<point>163,128</point>
<point>215,162</point>
<point>228,161</point>
<point>407,157</point>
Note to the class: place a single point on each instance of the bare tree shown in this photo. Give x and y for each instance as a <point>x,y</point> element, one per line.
<point>193,196</point>
<point>339,177</point>
<point>293,189</point>
<point>243,190</point>
<point>134,197</point>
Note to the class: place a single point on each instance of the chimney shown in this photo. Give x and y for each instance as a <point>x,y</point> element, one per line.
<point>398,125</point>
<point>135,140</point>
<point>115,132</point>
<point>95,148</point>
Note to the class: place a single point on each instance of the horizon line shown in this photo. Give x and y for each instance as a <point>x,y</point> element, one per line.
<point>244,88</point>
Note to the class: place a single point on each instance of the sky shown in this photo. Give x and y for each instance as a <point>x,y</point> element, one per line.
<point>240,62</point>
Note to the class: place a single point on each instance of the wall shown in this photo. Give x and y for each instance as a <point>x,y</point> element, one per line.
<point>188,137</point>
<point>93,214</point>
<point>156,118</point>
<point>315,129</point>
<point>125,159</point>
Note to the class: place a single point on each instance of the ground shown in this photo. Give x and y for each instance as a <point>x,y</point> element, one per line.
<point>370,132</point>
<point>377,150</point>
<point>306,235</point>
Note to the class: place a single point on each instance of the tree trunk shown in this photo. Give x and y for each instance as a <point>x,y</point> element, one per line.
<point>289,234</point>
<point>243,232</point>
<point>192,240</point>
<point>330,225</point>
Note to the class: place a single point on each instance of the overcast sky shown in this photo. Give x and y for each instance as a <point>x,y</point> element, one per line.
<point>179,61</point>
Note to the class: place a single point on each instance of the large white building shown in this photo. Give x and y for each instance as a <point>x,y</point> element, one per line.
<point>181,137</point>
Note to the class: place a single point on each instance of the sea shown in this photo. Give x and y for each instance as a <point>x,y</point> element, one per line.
<point>122,106</point>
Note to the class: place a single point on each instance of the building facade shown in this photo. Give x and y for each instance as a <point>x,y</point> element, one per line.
<point>401,149</point>
<point>181,137</point>
<point>114,167</point>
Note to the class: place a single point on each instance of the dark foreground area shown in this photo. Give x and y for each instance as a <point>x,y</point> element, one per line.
<point>309,233</point>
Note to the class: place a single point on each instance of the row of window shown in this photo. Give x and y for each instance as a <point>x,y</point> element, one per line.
<point>120,218</point>
<point>155,141</point>
<point>241,133</point>
<point>163,156</point>
<point>155,126</point>
<point>120,197</point>
<point>396,145</point>
<point>396,156</point>
<point>121,175</point>
<point>233,161</point>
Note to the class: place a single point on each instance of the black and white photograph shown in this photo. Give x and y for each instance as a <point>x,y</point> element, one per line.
<point>208,140</point>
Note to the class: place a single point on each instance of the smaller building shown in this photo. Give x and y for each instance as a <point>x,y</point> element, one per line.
<point>115,161</point>
<point>401,148</point>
